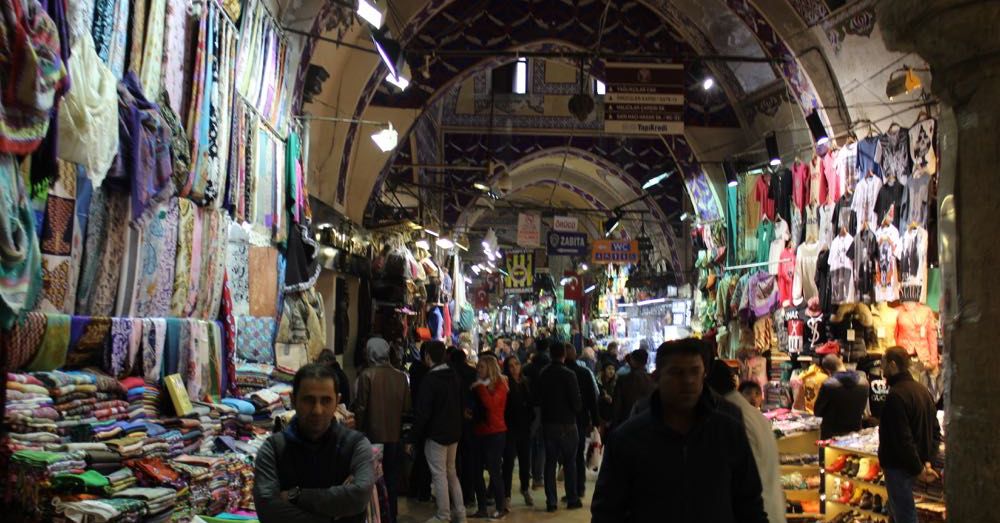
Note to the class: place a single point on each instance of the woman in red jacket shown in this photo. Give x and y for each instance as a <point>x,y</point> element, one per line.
<point>491,431</point>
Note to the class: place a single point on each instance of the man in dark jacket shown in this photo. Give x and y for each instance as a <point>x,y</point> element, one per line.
<point>909,435</point>
<point>842,399</point>
<point>458,361</point>
<point>632,387</point>
<point>558,395</point>
<point>316,470</point>
<point>682,456</point>
<point>420,476</point>
<point>610,356</point>
<point>439,424</point>
<point>539,360</point>
<point>587,418</point>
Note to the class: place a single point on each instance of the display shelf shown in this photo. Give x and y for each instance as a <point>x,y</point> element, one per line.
<point>800,468</point>
<point>856,481</point>
<point>852,451</point>
<point>798,444</point>
<point>838,508</point>
<point>815,516</point>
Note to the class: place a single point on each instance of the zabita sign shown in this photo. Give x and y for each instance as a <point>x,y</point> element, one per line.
<point>615,251</point>
<point>566,243</point>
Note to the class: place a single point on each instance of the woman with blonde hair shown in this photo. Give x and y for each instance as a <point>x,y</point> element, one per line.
<point>490,430</point>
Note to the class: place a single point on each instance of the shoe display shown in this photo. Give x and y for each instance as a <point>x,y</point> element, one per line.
<point>839,464</point>
<point>877,505</point>
<point>846,491</point>
<point>866,501</point>
<point>856,497</point>
<point>873,471</point>
<point>863,468</point>
<point>851,470</point>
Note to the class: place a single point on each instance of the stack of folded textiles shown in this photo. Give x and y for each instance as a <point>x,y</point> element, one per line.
<point>155,472</point>
<point>135,390</point>
<point>120,480</point>
<point>74,395</point>
<point>129,447</point>
<point>266,403</point>
<point>30,479</point>
<point>198,479</point>
<point>243,425</point>
<point>151,400</point>
<point>29,415</point>
<point>113,510</point>
<point>190,434</point>
<point>159,501</point>
<point>103,461</point>
<point>251,377</point>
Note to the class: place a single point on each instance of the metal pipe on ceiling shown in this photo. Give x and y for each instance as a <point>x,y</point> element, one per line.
<point>440,166</point>
<point>620,57</point>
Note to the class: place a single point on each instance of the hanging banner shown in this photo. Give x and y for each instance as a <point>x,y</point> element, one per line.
<point>644,99</point>
<point>529,229</point>
<point>565,224</point>
<point>615,251</point>
<point>566,243</point>
<point>520,272</point>
<point>573,290</point>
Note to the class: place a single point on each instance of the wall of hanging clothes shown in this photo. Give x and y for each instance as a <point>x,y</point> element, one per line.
<point>836,254</point>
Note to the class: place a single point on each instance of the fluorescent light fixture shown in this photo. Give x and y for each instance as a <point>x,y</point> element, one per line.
<point>491,264</point>
<point>590,289</point>
<point>386,139</point>
<point>816,128</point>
<point>771,144</point>
<point>732,179</point>
<point>501,271</point>
<point>651,302</point>
<point>600,88</point>
<point>486,245</point>
<point>482,187</point>
<point>476,269</point>
<point>460,246</point>
<point>708,83</point>
<point>468,280</point>
<point>369,13</point>
<point>432,233</point>
<point>498,253</point>
<point>490,255</point>
<point>611,225</point>
<point>399,81</point>
<point>423,244</point>
<point>521,76</point>
<point>488,270</point>
<point>656,179</point>
<point>389,49</point>
<point>685,216</point>
<point>566,281</point>
<point>445,243</point>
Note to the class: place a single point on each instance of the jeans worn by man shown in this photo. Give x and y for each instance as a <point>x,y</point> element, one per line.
<point>560,447</point>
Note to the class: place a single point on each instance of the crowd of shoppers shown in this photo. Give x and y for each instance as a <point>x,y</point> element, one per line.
<point>688,435</point>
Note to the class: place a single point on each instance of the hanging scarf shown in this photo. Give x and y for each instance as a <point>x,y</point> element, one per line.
<point>138,35</point>
<point>152,55</point>
<point>176,56</point>
<point>155,282</point>
<point>263,281</point>
<point>182,272</point>
<point>219,265</point>
<point>23,341</point>
<point>96,237</point>
<point>196,266</point>
<point>153,344</point>
<point>121,337</point>
<point>229,342</point>
<point>43,161</point>
<point>88,339</point>
<point>119,36</point>
<point>60,244</point>
<point>213,380</point>
<point>105,287</point>
<point>145,147</point>
<point>255,339</point>
<point>172,347</point>
<point>52,350</point>
<point>20,257</point>
<point>33,72</point>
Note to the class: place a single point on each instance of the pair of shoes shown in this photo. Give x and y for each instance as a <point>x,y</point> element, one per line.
<point>527,498</point>
<point>480,514</point>
<point>574,505</point>
<point>497,515</point>
<point>874,470</point>
<point>551,508</point>
<point>839,464</point>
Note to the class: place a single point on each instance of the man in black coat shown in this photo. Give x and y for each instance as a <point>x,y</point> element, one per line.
<point>683,456</point>
<point>458,361</point>
<point>539,360</point>
<point>587,418</point>
<point>438,424</point>
<point>558,394</point>
<point>909,435</point>
<point>842,399</point>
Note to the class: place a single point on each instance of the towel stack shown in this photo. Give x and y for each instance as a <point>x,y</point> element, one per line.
<point>29,416</point>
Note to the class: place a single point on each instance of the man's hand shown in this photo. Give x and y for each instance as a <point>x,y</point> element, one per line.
<point>928,474</point>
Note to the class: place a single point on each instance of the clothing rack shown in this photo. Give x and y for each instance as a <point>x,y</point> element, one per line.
<point>758,264</point>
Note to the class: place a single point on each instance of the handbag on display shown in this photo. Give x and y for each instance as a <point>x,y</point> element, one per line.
<point>291,356</point>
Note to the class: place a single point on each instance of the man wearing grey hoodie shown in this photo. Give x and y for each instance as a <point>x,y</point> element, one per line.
<point>383,398</point>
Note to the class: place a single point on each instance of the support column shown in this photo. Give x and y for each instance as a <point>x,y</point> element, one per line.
<point>960,40</point>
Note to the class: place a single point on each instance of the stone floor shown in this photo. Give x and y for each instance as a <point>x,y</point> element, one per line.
<point>411,511</point>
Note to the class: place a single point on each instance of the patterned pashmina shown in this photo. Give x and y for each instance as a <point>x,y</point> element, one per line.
<point>23,341</point>
<point>81,18</point>
<point>104,293</point>
<point>61,244</point>
<point>153,343</point>
<point>121,337</point>
<point>103,25</point>
<point>255,339</point>
<point>96,238</point>
<point>237,270</point>
<point>119,37</point>
<point>145,144</point>
<point>88,339</point>
<point>229,341</point>
<point>196,264</point>
<point>263,281</point>
<point>182,272</point>
<point>137,36</point>
<point>20,258</point>
<point>155,283</point>
<point>152,56</point>
<point>198,351</point>
<point>176,55</point>
<point>133,362</point>
<point>51,353</point>
<point>219,265</point>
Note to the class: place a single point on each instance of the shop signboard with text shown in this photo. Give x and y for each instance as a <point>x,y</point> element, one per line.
<point>529,229</point>
<point>520,275</point>
<point>615,251</point>
<point>644,99</point>
<point>566,243</point>
<point>565,223</point>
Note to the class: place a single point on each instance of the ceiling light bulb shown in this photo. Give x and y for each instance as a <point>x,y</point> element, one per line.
<point>476,269</point>
<point>423,244</point>
<point>482,187</point>
<point>369,13</point>
<point>386,139</point>
<point>590,289</point>
<point>445,243</point>
<point>432,233</point>
<point>584,267</point>
<point>656,180</point>
<point>399,81</point>
<point>708,83</point>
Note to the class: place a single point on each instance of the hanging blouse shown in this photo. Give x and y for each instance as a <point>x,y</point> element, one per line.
<point>922,146</point>
<point>886,275</point>
<point>868,152</point>
<point>893,153</point>
<point>913,265</point>
<point>916,331</point>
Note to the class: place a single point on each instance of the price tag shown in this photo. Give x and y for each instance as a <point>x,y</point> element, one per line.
<point>850,334</point>
<point>881,332</point>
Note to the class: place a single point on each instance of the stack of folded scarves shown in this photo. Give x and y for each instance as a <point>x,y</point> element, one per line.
<point>135,390</point>
<point>128,447</point>
<point>266,403</point>
<point>190,434</point>
<point>251,377</point>
<point>30,477</point>
<point>103,461</point>
<point>156,472</point>
<point>158,500</point>
<point>198,479</point>
<point>112,510</point>
<point>120,480</point>
<point>151,400</point>
<point>29,415</point>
